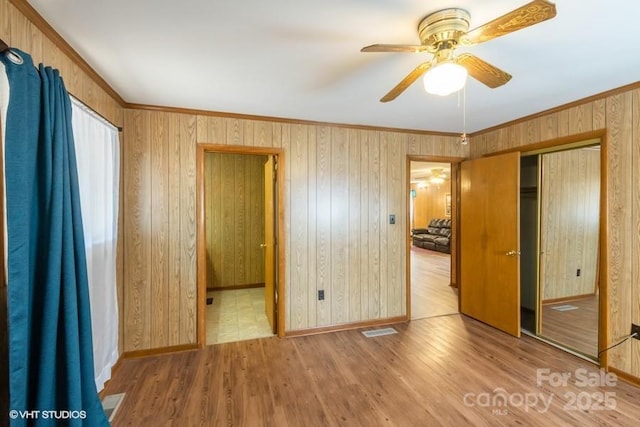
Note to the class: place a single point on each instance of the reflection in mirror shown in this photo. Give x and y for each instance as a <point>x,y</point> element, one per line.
<point>569,227</point>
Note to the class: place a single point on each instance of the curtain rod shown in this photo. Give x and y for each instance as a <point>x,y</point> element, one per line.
<point>93,112</point>
<point>13,56</point>
<point>4,47</point>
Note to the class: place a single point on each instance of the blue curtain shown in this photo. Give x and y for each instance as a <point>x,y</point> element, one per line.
<point>50,348</point>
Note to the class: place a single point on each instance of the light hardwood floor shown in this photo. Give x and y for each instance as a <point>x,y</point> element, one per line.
<point>431,294</point>
<point>436,371</point>
<point>576,329</point>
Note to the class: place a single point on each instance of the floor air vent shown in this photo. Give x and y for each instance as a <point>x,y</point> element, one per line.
<point>379,332</point>
<point>565,307</point>
<point>111,403</point>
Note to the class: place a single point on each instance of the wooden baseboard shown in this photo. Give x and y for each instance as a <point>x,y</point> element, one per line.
<point>157,351</point>
<point>346,326</point>
<point>565,299</point>
<point>231,288</point>
<point>624,376</point>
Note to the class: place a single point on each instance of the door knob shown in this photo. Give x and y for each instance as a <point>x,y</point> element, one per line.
<point>513,253</point>
<point>263,245</point>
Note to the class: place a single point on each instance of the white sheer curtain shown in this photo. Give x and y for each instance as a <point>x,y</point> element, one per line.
<point>98,157</point>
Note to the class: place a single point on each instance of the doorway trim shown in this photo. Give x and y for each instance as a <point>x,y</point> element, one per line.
<point>455,221</point>
<point>603,275</point>
<point>201,248</point>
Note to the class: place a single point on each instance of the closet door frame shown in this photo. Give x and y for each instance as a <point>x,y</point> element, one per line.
<point>575,141</point>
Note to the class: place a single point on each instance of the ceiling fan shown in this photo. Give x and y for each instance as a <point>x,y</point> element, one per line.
<point>438,176</point>
<point>434,175</point>
<point>442,32</point>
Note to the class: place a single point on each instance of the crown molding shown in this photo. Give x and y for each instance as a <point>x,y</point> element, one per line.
<point>36,19</point>
<point>282,119</point>
<point>592,98</point>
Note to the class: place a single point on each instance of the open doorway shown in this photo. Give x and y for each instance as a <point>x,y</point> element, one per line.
<point>238,253</point>
<point>431,239</point>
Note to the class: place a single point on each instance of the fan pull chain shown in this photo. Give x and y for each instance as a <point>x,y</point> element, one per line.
<point>464,139</point>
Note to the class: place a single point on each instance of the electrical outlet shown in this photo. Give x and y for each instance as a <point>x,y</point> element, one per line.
<point>321,295</point>
<point>635,329</point>
<point>578,272</point>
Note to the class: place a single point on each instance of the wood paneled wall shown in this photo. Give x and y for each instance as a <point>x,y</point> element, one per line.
<point>341,185</point>
<point>17,31</point>
<point>159,229</point>
<point>570,221</point>
<point>234,219</point>
<point>429,203</point>
<point>619,114</point>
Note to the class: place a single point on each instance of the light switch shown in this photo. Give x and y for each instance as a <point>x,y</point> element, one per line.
<point>392,219</point>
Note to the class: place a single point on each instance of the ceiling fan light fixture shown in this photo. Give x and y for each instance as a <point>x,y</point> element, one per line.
<point>445,78</point>
<point>438,176</point>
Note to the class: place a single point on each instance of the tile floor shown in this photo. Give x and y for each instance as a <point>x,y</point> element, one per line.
<point>236,315</point>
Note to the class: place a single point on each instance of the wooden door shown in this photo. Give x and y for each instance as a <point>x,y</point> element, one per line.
<point>489,241</point>
<point>269,244</point>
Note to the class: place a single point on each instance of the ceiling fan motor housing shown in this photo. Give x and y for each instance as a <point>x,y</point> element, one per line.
<point>444,27</point>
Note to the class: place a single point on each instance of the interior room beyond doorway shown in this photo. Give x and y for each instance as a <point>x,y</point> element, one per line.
<point>235,230</point>
<point>430,209</point>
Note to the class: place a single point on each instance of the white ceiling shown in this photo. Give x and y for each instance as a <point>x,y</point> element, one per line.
<point>302,59</point>
<point>422,170</point>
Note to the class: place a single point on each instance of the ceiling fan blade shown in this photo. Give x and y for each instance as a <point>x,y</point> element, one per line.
<point>483,71</point>
<point>525,16</point>
<point>394,48</point>
<point>406,82</point>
